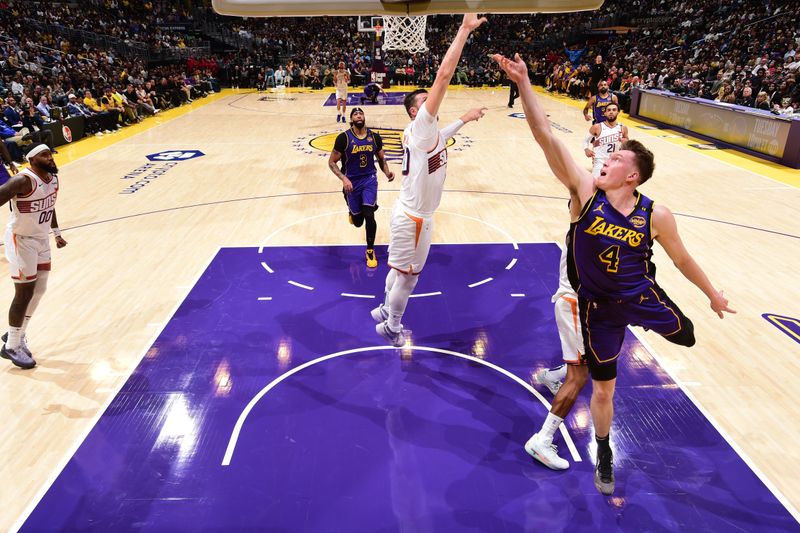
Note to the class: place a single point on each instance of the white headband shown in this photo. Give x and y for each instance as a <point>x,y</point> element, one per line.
<point>38,149</point>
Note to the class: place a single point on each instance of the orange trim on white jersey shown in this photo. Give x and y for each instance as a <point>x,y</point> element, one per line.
<point>418,229</point>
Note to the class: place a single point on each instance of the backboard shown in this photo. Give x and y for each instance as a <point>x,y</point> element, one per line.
<point>304,8</point>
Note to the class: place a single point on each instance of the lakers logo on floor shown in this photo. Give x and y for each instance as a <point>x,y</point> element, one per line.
<point>321,143</point>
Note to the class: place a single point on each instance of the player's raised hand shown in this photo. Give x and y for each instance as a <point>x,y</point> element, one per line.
<point>474,114</point>
<point>516,69</point>
<point>471,21</point>
<point>719,304</point>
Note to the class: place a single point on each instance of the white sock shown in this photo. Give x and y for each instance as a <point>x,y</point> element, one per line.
<point>398,299</point>
<point>391,277</point>
<point>25,322</point>
<point>14,335</point>
<point>558,373</point>
<point>550,427</point>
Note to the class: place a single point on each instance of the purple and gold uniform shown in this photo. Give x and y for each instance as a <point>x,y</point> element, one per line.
<point>358,164</point>
<point>599,107</point>
<point>611,270</point>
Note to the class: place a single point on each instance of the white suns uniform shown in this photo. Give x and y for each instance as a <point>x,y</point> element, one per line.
<point>340,82</point>
<point>606,144</point>
<point>566,311</point>
<point>27,241</point>
<point>424,172</point>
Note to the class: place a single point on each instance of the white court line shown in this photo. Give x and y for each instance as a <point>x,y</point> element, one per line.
<point>358,295</point>
<point>306,287</point>
<point>749,462</point>
<point>425,294</point>
<point>267,268</point>
<point>237,429</point>
<point>264,298</point>
<point>501,230</point>
<point>786,188</point>
<point>481,282</point>
<point>361,244</point>
<point>517,294</point>
<point>268,237</point>
<point>511,264</point>
<point>74,448</point>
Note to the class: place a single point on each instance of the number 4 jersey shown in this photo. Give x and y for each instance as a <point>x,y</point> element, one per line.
<point>31,214</point>
<point>610,252</point>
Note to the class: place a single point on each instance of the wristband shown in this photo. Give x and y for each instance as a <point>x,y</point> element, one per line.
<point>57,232</point>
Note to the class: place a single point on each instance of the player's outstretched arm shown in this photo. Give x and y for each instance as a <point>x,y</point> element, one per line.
<point>665,231</point>
<point>577,180</point>
<point>19,184</point>
<point>450,62</point>
<point>473,114</point>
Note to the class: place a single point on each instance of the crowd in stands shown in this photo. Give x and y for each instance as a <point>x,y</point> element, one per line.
<point>734,52</point>
<point>731,51</point>
<point>148,21</point>
<point>45,78</point>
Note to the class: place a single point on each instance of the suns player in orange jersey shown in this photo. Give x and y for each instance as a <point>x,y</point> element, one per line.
<point>32,193</point>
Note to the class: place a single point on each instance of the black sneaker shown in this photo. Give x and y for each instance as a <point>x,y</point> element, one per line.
<point>604,473</point>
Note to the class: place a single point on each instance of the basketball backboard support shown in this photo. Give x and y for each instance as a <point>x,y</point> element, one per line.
<point>306,8</point>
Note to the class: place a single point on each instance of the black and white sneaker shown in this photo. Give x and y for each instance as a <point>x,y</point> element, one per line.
<point>18,356</point>
<point>23,343</point>
<point>604,473</point>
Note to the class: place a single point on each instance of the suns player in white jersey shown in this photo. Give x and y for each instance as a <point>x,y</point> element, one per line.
<point>424,172</point>
<point>605,138</point>
<point>341,79</point>
<point>32,193</point>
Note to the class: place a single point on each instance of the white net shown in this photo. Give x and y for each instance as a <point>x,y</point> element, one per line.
<point>401,32</point>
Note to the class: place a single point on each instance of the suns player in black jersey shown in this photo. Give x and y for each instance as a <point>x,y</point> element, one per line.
<point>611,235</point>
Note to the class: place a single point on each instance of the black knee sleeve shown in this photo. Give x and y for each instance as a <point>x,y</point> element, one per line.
<point>685,337</point>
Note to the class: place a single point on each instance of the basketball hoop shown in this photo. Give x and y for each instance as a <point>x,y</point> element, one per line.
<point>405,33</point>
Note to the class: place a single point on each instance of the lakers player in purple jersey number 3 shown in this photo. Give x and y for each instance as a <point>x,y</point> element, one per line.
<point>357,149</point>
<point>612,232</point>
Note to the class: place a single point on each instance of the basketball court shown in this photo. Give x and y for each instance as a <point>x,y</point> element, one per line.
<point>206,357</point>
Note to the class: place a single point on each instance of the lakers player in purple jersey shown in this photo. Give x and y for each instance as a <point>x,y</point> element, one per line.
<point>611,239</point>
<point>357,149</point>
<point>597,104</point>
